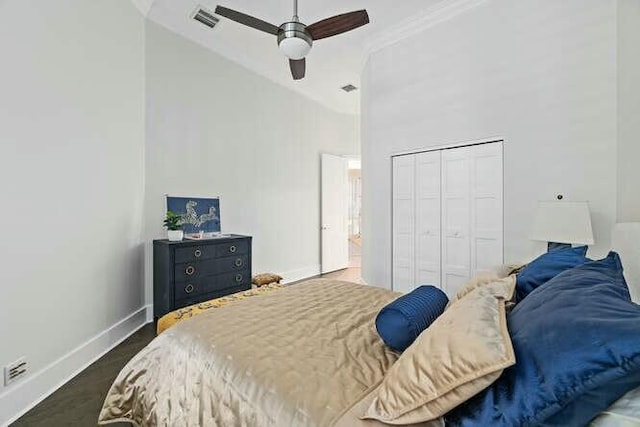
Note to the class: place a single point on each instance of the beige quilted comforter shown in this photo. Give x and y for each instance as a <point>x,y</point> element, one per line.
<point>302,356</point>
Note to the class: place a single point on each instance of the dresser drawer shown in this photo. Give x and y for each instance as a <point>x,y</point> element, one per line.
<point>199,269</point>
<point>208,284</point>
<point>208,251</point>
<point>209,296</point>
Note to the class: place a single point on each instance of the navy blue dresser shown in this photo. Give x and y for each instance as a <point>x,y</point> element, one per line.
<point>193,271</point>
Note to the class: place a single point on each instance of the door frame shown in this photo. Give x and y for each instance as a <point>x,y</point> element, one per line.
<point>482,141</point>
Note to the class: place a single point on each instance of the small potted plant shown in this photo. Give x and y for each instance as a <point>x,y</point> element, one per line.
<point>172,222</point>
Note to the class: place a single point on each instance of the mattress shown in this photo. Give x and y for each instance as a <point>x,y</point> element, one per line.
<point>301,356</point>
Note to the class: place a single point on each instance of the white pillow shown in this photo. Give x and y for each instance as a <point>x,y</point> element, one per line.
<point>625,412</point>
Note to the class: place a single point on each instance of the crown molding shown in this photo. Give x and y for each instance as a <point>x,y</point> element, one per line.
<point>144,6</point>
<point>441,12</point>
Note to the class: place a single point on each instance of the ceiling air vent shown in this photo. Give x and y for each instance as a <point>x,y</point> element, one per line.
<point>206,17</point>
<point>349,88</point>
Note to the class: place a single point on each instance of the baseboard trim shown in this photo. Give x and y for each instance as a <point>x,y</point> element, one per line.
<point>149,313</point>
<point>301,273</point>
<point>18,400</point>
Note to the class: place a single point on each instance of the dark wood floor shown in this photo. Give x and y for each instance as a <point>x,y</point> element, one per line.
<point>78,402</point>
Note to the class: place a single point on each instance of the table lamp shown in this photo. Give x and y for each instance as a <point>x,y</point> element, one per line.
<point>562,224</point>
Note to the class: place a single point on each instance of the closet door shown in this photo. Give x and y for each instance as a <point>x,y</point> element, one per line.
<point>456,219</point>
<point>486,169</point>
<point>427,233</point>
<point>403,223</point>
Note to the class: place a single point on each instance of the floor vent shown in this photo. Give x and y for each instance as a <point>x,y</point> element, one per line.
<point>206,17</point>
<point>15,371</point>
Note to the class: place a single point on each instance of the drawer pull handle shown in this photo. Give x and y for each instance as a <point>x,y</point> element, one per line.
<point>190,270</point>
<point>239,262</point>
<point>233,249</point>
<point>188,289</point>
<point>197,253</point>
<point>238,278</point>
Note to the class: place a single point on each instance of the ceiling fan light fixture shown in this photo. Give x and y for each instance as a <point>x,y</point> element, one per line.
<point>295,48</point>
<point>294,40</point>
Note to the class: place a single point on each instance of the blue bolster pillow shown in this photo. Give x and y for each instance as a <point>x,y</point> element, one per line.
<point>401,321</point>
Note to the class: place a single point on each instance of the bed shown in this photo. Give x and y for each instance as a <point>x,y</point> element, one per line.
<point>297,356</point>
<point>305,355</point>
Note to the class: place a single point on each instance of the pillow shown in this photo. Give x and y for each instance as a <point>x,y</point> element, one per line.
<point>461,353</point>
<point>577,342</point>
<point>476,282</point>
<point>265,278</point>
<point>624,412</point>
<point>401,321</point>
<point>546,267</point>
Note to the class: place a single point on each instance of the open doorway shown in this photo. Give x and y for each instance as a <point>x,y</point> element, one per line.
<point>355,212</point>
<point>341,217</point>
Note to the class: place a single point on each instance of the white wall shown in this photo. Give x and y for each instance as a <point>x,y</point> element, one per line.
<point>76,107</point>
<point>215,128</point>
<point>71,180</point>
<point>539,74</point>
<point>628,110</point>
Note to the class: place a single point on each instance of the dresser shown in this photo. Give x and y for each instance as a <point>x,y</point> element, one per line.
<point>193,271</point>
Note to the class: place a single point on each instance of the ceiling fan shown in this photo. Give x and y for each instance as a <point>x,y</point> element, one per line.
<point>295,38</point>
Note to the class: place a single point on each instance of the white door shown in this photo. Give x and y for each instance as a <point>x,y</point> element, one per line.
<point>335,213</point>
<point>427,253</point>
<point>486,169</point>
<point>456,219</point>
<point>403,223</point>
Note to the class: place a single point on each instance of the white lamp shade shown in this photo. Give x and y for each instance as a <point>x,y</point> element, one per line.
<point>563,222</point>
<point>295,48</point>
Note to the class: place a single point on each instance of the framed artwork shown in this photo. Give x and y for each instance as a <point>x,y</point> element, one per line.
<point>199,215</point>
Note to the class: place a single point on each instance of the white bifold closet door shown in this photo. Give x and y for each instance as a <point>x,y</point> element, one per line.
<point>428,228</point>
<point>487,207</point>
<point>447,216</point>
<point>456,219</point>
<point>404,168</point>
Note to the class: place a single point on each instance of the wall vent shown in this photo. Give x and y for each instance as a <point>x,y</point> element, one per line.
<point>15,371</point>
<point>349,88</point>
<point>206,17</point>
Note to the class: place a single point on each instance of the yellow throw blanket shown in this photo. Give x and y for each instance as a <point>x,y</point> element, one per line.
<point>170,319</point>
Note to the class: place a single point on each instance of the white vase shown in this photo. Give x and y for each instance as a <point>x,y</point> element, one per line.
<point>175,235</point>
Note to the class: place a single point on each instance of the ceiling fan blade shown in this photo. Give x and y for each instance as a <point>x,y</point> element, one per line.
<point>247,20</point>
<point>338,24</point>
<point>298,68</point>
